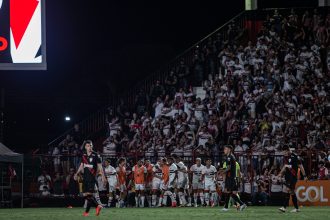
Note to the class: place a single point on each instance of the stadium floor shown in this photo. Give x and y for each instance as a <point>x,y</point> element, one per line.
<point>251,213</point>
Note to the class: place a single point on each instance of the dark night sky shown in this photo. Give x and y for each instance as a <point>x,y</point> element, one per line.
<point>93,46</point>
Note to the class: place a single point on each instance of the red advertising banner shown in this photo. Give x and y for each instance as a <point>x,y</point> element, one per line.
<point>313,193</point>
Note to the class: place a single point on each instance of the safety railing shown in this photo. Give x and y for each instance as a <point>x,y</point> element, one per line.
<point>250,161</point>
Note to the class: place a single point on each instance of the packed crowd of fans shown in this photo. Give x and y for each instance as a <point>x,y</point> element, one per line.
<point>259,96</point>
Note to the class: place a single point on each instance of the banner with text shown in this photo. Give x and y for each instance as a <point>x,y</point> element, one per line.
<point>313,193</point>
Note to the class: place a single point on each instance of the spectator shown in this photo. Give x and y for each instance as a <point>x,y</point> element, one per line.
<point>110,146</point>
<point>66,147</point>
<point>276,182</point>
<point>157,91</point>
<point>56,158</point>
<point>44,182</point>
<point>58,188</point>
<point>76,154</point>
<point>260,197</point>
<point>76,134</point>
<point>158,106</point>
<point>72,184</point>
<point>323,171</point>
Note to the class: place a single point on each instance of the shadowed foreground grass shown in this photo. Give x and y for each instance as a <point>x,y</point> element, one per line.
<point>251,213</point>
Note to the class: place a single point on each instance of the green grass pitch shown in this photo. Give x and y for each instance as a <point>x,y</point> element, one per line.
<point>251,213</point>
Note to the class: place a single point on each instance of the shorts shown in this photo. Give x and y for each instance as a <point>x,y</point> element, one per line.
<point>197,185</point>
<point>122,188</point>
<point>163,186</point>
<point>290,183</point>
<point>166,186</point>
<point>155,184</point>
<point>112,185</point>
<point>221,185</point>
<point>89,184</point>
<point>172,184</point>
<point>139,187</point>
<point>148,186</point>
<point>182,184</point>
<point>210,187</point>
<point>231,185</point>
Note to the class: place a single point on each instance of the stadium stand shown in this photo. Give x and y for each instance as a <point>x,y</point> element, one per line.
<point>259,82</point>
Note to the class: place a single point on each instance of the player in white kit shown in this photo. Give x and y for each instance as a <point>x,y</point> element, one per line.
<point>172,180</point>
<point>169,178</point>
<point>209,173</point>
<point>156,181</point>
<point>112,177</point>
<point>197,184</point>
<point>183,181</point>
<point>169,188</point>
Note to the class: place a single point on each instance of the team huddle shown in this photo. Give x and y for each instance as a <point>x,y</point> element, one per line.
<point>166,179</point>
<point>170,178</point>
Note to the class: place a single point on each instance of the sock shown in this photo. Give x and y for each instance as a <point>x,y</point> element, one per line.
<point>160,200</point>
<point>231,202</point>
<point>174,196</point>
<point>165,198</point>
<point>149,200</point>
<point>88,205</point>
<point>182,198</point>
<point>201,197</point>
<point>90,201</point>
<point>207,198</point>
<point>136,201</point>
<point>295,201</point>
<point>214,199</point>
<point>153,198</point>
<point>94,201</point>
<point>286,199</point>
<point>142,201</point>
<point>219,197</point>
<point>236,199</point>
<point>110,200</point>
<point>189,199</point>
<point>85,203</point>
<point>97,198</point>
<point>226,197</point>
<point>195,198</point>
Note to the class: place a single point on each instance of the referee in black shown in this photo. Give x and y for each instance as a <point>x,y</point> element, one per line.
<point>90,166</point>
<point>231,184</point>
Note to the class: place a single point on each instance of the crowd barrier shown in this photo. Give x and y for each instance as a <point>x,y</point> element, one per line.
<point>251,162</point>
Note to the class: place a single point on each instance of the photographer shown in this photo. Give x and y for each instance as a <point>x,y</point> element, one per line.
<point>261,196</point>
<point>44,182</point>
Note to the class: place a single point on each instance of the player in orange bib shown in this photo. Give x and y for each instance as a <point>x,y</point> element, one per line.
<point>149,179</point>
<point>139,178</point>
<point>121,171</point>
<point>167,183</point>
<point>164,182</point>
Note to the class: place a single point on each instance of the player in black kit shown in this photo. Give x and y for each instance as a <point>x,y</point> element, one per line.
<point>290,172</point>
<point>90,166</point>
<point>231,185</point>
